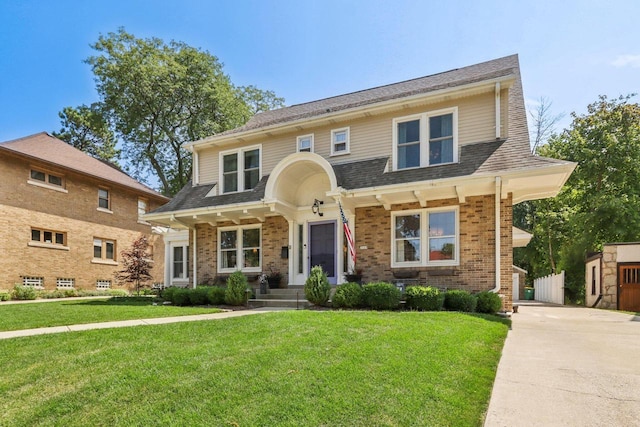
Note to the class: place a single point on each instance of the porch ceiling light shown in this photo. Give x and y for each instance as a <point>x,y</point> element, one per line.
<point>315,208</point>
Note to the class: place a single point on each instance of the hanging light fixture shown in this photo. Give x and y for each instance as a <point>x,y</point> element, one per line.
<point>315,208</point>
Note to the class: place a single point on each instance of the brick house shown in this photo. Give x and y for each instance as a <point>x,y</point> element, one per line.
<point>426,172</point>
<point>65,216</point>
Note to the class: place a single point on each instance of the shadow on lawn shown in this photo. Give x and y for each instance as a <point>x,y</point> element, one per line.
<point>131,301</point>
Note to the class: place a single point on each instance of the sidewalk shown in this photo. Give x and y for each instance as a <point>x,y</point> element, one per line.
<point>568,366</point>
<point>137,322</point>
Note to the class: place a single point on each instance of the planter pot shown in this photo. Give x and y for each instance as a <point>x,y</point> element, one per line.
<point>354,278</point>
<point>274,282</point>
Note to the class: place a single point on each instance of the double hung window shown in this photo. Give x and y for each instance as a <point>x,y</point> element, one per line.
<point>340,141</point>
<point>104,249</point>
<point>305,143</point>
<point>240,169</point>
<point>425,237</point>
<point>426,139</point>
<point>240,248</point>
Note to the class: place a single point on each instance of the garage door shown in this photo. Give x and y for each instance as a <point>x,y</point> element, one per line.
<point>629,287</point>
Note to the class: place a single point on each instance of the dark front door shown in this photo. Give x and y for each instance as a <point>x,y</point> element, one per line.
<point>322,248</point>
<point>629,287</point>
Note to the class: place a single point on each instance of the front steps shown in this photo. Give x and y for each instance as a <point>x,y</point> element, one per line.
<point>291,297</point>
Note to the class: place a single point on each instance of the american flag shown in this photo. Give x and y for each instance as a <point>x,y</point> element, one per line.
<point>347,233</point>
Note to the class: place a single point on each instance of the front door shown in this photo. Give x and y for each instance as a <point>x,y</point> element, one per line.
<point>322,248</point>
<point>629,287</point>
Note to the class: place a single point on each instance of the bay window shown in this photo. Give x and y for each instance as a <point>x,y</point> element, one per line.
<point>426,237</point>
<point>240,248</point>
<point>426,139</point>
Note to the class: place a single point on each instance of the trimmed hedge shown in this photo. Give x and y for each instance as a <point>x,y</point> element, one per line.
<point>317,289</point>
<point>488,302</point>
<point>348,295</point>
<point>381,296</point>
<point>459,300</point>
<point>215,295</point>
<point>424,298</point>
<point>199,296</point>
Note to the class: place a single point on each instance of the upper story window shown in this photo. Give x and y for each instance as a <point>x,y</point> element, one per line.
<point>104,199</point>
<point>426,139</point>
<point>427,237</point>
<point>104,249</point>
<point>143,207</point>
<point>240,169</point>
<point>305,143</point>
<point>340,141</point>
<point>46,179</point>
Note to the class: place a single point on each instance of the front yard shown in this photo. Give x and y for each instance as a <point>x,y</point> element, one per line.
<point>62,313</point>
<point>292,368</point>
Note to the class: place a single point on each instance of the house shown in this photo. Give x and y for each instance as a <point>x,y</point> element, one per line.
<point>65,216</point>
<point>613,277</point>
<point>426,172</point>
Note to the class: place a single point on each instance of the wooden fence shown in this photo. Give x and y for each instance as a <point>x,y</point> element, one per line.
<point>550,288</point>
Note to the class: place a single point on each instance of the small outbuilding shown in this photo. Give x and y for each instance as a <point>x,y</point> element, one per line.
<point>613,277</point>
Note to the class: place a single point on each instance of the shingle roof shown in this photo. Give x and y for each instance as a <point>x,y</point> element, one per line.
<point>502,67</point>
<point>46,148</point>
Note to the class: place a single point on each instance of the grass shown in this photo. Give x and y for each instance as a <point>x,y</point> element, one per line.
<point>61,313</point>
<point>293,368</point>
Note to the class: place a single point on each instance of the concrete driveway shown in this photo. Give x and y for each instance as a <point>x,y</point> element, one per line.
<point>568,366</point>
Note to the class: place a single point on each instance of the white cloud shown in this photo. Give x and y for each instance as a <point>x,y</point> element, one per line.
<point>627,61</point>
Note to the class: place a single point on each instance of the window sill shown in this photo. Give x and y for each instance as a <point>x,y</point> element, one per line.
<point>143,222</point>
<point>44,185</point>
<point>104,210</point>
<point>104,262</point>
<point>427,264</point>
<point>48,246</point>
<point>342,153</point>
<point>244,270</point>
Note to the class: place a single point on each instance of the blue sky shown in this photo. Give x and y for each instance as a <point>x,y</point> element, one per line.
<point>570,51</point>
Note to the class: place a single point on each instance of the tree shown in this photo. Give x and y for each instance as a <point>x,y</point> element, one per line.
<point>87,129</point>
<point>601,201</point>
<point>157,96</point>
<point>544,123</point>
<point>136,264</point>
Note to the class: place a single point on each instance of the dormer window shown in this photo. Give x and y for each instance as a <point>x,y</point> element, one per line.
<point>305,143</point>
<point>240,169</point>
<point>427,139</point>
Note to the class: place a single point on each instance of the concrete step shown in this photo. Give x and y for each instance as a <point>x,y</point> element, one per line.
<point>291,303</point>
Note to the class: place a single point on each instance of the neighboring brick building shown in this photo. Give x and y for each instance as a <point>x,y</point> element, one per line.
<point>426,171</point>
<point>65,216</point>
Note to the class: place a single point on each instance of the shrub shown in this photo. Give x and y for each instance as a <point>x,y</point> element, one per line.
<point>317,289</point>
<point>459,300</point>
<point>167,293</point>
<point>488,302</point>
<point>199,296</point>
<point>235,293</point>
<point>381,296</point>
<point>68,293</point>
<point>24,293</point>
<point>215,295</point>
<point>5,296</point>
<point>348,295</point>
<point>181,297</point>
<point>117,293</point>
<point>424,298</point>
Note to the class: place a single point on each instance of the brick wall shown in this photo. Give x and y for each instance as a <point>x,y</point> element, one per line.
<point>74,212</point>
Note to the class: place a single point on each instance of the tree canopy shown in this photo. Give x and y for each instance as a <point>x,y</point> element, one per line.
<point>156,96</point>
<point>600,202</point>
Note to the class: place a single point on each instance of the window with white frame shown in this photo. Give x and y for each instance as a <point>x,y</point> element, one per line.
<point>103,284</point>
<point>340,141</point>
<point>180,262</point>
<point>46,178</point>
<point>305,143</point>
<point>65,283</point>
<point>104,249</point>
<point>425,237</point>
<point>35,282</point>
<point>104,199</point>
<point>240,248</point>
<point>240,169</point>
<point>426,139</point>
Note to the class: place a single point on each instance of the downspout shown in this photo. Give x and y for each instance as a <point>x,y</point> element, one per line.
<point>496,289</point>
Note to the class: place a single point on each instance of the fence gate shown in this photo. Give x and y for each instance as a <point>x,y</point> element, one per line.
<point>629,287</point>
<point>550,288</point>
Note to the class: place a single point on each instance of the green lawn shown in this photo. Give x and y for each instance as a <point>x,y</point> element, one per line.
<point>61,313</point>
<point>314,368</point>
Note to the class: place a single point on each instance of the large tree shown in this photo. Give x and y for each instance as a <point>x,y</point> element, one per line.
<point>87,129</point>
<point>601,201</point>
<point>159,95</point>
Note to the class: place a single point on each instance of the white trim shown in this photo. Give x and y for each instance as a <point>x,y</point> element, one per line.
<point>347,142</point>
<point>240,172</point>
<point>424,136</point>
<point>300,138</point>
<point>239,249</point>
<point>47,245</point>
<point>47,186</point>
<point>103,261</point>
<point>498,124</point>
<point>297,159</point>
<point>424,238</point>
